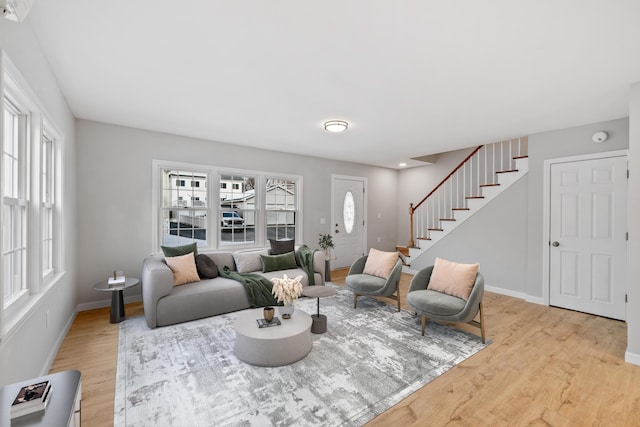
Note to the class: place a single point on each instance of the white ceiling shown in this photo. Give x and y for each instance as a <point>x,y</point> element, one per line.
<point>412,77</point>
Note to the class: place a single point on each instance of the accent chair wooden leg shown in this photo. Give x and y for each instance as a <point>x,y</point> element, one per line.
<point>482,323</point>
<point>355,299</point>
<point>424,322</point>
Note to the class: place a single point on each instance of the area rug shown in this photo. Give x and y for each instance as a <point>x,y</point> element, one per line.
<point>370,359</point>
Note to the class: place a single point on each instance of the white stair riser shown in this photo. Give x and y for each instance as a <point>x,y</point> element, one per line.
<point>504,179</point>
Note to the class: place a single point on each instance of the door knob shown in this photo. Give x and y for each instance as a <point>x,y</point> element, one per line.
<point>555,244</point>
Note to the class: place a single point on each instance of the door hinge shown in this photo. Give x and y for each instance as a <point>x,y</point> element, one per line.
<point>627,173</point>
<point>627,235</point>
<point>625,298</point>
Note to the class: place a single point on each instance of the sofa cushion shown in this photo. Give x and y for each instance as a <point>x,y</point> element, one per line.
<point>169,251</point>
<point>248,262</point>
<point>453,278</point>
<point>281,246</point>
<point>380,263</point>
<point>207,268</point>
<point>278,262</point>
<point>183,268</point>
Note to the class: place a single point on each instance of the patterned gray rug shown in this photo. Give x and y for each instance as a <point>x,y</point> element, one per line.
<point>370,359</point>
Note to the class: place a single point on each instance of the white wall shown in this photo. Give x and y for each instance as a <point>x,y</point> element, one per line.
<point>551,145</point>
<point>114,194</point>
<point>633,255</point>
<point>495,236</point>
<point>30,347</point>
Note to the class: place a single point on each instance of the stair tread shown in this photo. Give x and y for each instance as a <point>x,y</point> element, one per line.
<point>489,185</point>
<point>447,219</point>
<point>474,197</point>
<point>435,229</point>
<point>459,209</point>
<point>520,157</point>
<point>508,171</point>
<point>421,238</point>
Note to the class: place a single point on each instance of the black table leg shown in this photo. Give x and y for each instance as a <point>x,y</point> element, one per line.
<point>117,307</point>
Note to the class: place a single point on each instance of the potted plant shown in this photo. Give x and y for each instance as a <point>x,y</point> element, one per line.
<point>286,291</point>
<point>326,244</point>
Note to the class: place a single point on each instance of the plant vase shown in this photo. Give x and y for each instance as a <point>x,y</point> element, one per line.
<point>286,310</point>
<point>268,314</point>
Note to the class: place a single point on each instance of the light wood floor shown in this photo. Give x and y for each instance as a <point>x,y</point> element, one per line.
<point>546,366</point>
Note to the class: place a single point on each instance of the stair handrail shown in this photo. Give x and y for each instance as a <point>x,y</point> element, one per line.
<point>412,208</point>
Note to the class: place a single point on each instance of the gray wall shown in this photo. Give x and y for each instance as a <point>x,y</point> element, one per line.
<point>29,348</point>
<point>416,183</point>
<point>495,236</point>
<point>551,145</point>
<point>114,194</point>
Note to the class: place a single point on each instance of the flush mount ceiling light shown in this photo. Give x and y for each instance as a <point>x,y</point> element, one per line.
<point>336,126</point>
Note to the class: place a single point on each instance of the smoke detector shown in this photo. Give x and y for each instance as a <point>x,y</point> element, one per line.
<point>15,10</point>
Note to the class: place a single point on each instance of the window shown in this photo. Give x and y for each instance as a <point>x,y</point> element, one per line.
<point>14,202</point>
<point>184,212</point>
<point>29,180</point>
<point>47,188</point>
<point>238,210</point>
<point>281,207</point>
<point>251,207</point>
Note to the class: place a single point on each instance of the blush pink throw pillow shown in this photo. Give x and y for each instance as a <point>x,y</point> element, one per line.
<point>184,269</point>
<point>453,278</point>
<point>380,263</point>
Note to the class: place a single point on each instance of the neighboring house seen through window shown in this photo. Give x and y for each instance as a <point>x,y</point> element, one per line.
<point>252,207</point>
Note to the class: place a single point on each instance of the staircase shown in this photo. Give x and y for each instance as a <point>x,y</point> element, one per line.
<point>485,173</point>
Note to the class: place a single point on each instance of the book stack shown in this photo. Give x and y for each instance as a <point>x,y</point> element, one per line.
<point>262,323</point>
<point>116,281</point>
<point>31,398</point>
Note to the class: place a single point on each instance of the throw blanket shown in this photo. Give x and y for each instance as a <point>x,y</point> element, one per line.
<point>304,256</point>
<point>258,288</point>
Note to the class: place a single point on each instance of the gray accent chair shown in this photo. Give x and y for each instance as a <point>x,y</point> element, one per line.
<point>439,306</point>
<point>368,285</point>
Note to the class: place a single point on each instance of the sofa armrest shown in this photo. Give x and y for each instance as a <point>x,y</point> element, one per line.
<point>157,282</point>
<point>319,265</point>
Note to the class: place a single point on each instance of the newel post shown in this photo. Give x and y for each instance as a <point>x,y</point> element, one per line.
<point>411,210</point>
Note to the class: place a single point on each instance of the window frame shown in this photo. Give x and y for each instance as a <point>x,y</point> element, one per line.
<point>214,208</point>
<point>14,88</point>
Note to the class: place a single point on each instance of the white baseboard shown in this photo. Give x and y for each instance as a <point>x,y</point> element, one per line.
<point>507,292</point>
<point>535,300</point>
<point>105,303</point>
<point>54,351</point>
<point>633,358</point>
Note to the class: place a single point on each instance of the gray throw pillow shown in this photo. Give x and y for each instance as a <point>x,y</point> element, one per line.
<point>248,262</point>
<point>281,246</point>
<point>207,268</point>
<point>278,262</point>
<point>171,251</point>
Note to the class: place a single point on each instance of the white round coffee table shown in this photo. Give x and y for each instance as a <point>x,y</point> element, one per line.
<point>275,345</point>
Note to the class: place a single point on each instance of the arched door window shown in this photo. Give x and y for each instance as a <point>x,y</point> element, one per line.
<point>348,212</point>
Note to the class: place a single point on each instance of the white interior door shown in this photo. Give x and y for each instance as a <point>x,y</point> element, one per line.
<point>348,220</point>
<point>588,253</point>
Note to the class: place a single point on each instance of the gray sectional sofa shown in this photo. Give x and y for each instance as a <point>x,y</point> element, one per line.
<point>165,304</point>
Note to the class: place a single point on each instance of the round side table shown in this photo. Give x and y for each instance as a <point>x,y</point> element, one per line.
<point>117,297</point>
<point>319,325</point>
